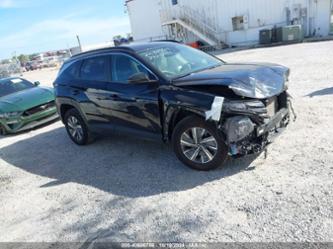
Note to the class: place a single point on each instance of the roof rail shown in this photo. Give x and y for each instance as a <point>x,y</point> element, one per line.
<point>99,50</point>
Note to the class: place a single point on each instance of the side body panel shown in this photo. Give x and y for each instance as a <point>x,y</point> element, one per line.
<point>175,100</point>
<point>90,98</point>
<point>135,106</point>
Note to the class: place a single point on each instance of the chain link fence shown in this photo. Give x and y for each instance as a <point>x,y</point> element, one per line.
<point>9,69</point>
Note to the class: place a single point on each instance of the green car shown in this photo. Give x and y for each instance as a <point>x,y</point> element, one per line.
<point>24,105</point>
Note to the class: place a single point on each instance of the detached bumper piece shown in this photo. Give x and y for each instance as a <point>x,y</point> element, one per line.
<point>281,119</point>
<point>244,137</point>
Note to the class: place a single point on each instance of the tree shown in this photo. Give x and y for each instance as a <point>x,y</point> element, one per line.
<point>31,56</point>
<point>23,58</point>
<point>117,37</point>
<point>5,61</point>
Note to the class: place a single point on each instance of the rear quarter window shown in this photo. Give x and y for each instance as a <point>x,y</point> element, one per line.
<point>69,72</point>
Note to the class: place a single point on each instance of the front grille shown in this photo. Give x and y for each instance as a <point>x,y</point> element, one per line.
<point>39,108</point>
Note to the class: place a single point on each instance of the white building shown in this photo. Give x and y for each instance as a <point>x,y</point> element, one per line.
<point>235,22</point>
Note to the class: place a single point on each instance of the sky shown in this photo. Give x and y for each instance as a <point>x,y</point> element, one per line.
<point>30,26</point>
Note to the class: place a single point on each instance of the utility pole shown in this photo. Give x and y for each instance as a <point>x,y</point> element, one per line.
<point>78,40</point>
<point>14,55</point>
<point>68,50</point>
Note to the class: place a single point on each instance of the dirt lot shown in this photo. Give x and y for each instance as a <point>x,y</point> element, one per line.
<point>124,189</point>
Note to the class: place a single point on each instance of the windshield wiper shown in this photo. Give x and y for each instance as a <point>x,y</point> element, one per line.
<point>197,71</point>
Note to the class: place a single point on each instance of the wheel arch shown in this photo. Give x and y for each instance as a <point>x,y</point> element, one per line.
<point>65,104</point>
<point>176,115</point>
<point>65,108</point>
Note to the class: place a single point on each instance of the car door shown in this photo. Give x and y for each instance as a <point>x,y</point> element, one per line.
<point>134,105</point>
<point>92,91</point>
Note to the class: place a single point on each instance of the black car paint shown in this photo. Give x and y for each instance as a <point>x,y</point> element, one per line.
<point>226,74</point>
<point>150,108</point>
<point>144,107</point>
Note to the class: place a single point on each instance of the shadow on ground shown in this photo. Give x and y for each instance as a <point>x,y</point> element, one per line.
<point>123,166</point>
<point>325,91</point>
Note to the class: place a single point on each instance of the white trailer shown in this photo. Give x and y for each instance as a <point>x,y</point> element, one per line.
<point>236,22</point>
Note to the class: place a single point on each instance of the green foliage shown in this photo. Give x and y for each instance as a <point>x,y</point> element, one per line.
<point>23,58</point>
<point>5,61</point>
<point>117,37</point>
<point>31,56</point>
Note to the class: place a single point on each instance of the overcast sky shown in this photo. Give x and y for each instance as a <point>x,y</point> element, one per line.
<point>28,26</point>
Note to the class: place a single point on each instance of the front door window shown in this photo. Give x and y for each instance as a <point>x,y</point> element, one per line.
<point>123,67</point>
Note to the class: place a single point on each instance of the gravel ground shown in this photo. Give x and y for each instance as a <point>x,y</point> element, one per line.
<point>124,189</point>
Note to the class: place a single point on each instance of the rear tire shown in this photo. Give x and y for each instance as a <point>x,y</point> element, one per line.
<point>198,144</point>
<point>76,127</point>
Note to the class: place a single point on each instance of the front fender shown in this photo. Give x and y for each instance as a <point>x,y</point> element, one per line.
<point>177,100</point>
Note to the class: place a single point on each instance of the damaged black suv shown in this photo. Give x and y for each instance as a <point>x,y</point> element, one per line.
<point>207,108</point>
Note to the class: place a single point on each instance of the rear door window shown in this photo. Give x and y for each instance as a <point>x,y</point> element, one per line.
<point>95,69</point>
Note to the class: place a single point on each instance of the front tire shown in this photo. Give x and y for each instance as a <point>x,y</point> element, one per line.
<point>76,127</point>
<point>198,144</point>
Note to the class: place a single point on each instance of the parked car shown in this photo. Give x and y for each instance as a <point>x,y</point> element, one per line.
<point>24,105</point>
<point>207,108</point>
<point>32,65</point>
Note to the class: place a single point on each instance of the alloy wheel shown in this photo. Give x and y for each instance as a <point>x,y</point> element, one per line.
<point>75,128</point>
<point>198,145</point>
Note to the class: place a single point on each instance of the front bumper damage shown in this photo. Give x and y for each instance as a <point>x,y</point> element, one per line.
<point>244,134</point>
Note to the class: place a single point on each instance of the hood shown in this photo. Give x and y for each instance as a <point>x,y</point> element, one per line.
<point>24,100</point>
<point>253,80</point>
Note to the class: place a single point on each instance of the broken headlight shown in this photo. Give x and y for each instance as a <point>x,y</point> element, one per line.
<point>251,106</point>
<point>235,106</point>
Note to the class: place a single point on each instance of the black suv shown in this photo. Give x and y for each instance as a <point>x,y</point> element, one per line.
<point>207,108</point>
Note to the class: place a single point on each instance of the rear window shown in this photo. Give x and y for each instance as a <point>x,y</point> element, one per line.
<point>95,69</point>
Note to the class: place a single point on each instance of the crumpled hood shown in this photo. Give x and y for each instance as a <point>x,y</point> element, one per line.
<point>24,100</point>
<point>256,80</point>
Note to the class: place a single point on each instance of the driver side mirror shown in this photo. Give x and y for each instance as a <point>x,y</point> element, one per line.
<point>140,78</point>
<point>36,83</point>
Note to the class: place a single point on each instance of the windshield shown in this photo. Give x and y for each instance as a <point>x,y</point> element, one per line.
<point>9,86</point>
<point>175,60</point>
